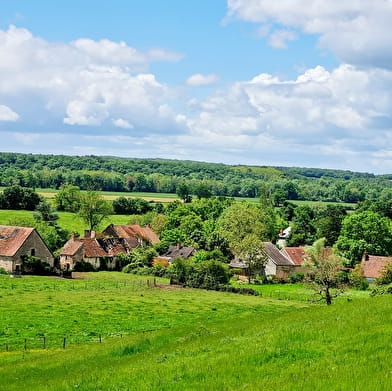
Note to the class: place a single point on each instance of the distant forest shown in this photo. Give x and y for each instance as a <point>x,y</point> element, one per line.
<point>165,176</point>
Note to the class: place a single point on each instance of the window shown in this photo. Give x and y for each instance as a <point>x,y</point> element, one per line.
<point>32,252</point>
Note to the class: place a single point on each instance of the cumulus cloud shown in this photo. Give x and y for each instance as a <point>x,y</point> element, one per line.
<point>313,116</point>
<point>6,114</point>
<point>83,82</point>
<point>122,123</point>
<point>355,30</point>
<point>198,80</point>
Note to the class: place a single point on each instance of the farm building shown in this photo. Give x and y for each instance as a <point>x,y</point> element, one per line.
<point>373,265</point>
<point>18,241</point>
<point>278,265</point>
<point>103,250</point>
<point>144,234</point>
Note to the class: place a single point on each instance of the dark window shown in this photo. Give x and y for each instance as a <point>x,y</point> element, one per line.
<point>32,252</point>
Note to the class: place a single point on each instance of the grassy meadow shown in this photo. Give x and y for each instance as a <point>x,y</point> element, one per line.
<point>155,338</point>
<point>70,221</point>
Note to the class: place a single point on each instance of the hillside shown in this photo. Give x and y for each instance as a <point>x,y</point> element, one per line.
<point>164,176</point>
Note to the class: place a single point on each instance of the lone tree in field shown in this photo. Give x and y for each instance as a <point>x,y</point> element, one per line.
<point>324,271</point>
<point>93,209</point>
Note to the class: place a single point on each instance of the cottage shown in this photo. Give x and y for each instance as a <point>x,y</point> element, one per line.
<point>373,265</point>
<point>278,265</point>
<point>99,252</point>
<point>18,241</point>
<point>145,235</point>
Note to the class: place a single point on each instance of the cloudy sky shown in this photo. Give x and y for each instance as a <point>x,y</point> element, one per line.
<point>261,82</point>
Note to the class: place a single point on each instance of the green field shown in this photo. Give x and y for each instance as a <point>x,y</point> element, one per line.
<point>70,221</point>
<point>154,338</point>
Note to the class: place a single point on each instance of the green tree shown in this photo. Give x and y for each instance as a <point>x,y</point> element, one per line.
<point>68,198</point>
<point>184,192</point>
<point>44,212</point>
<point>324,271</point>
<point>364,231</point>
<point>251,251</point>
<point>94,209</point>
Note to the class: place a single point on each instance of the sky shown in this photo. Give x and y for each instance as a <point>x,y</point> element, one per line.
<point>259,82</point>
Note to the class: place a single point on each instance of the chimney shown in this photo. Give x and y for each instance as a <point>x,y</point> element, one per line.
<point>73,236</point>
<point>92,234</point>
<point>178,245</point>
<point>87,233</point>
<point>365,256</point>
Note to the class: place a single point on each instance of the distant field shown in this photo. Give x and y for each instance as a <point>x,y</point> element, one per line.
<point>70,221</point>
<point>157,339</point>
<point>345,204</point>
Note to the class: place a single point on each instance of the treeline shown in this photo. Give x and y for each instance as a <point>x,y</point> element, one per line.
<point>165,176</point>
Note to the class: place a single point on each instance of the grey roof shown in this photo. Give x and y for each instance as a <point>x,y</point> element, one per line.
<point>179,252</point>
<point>276,256</point>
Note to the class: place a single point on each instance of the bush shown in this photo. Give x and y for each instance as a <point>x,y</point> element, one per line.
<point>2,271</point>
<point>82,266</point>
<point>357,279</point>
<point>33,265</point>
<point>382,290</point>
<point>386,275</point>
<point>296,277</point>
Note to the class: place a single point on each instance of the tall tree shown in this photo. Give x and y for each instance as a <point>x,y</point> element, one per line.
<point>94,209</point>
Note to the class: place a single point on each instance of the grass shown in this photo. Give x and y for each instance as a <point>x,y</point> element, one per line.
<point>189,339</point>
<point>70,221</point>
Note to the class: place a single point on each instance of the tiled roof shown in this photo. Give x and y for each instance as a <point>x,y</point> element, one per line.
<point>296,254</point>
<point>179,252</point>
<point>99,247</point>
<point>12,238</point>
<point>129,231</point>
<point>71,247</point>
<point>374,265</point>
<point>276,256</point>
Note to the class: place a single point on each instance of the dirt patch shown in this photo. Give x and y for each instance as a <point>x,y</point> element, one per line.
<point>169,287</point>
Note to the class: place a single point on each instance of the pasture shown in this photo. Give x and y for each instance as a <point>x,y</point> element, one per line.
<point>154,338</point>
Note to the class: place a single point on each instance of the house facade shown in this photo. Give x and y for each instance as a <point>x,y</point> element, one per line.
<point>18,241</point>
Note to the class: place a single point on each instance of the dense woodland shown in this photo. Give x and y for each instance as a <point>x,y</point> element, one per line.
<point>202,179</point>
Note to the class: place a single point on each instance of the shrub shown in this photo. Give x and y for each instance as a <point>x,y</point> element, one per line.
<point>82,266</point>
<point>296,277</point>
<point>386,275</point>
<point>33,265</point>
<point>2,271</point>
<point>357,279</point>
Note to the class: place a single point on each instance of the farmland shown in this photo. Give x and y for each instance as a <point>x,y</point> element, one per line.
<point>185,339</point>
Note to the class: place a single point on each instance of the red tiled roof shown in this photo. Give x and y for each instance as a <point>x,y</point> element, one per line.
<point>373,267</point>
<point>296,254</point>
<point>12,238</point>
<point>71,247</point>
<point>129,231</point>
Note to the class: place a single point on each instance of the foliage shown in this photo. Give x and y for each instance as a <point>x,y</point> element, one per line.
<point>82,266</point>
<point>17,197</point>
<point>357,279</point>
<point>137,206</point>
<point>386,275</point>
<point>68,198</point>
<point>364,231</point>
<point>324,271</point>
<point>296,277</point>
<point>203,274</point>
<point>184,192</point>
<point>45,212</point>
<point>93,209</point>
<point>34,265</point>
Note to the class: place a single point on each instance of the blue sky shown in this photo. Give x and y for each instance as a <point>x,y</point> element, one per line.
<point>237,81</point>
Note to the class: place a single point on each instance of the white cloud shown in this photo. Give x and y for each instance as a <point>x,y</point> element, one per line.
<point>278,39</point>
<point>198,80</point>
<point>355,30</point>
<point>122,123</point>
<point>6,114</point>
<point>84,82</point>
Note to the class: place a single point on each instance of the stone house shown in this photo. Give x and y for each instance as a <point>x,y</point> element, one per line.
<point>102,251</point>
<point>18,241</point>
<point>298,256</point>
<point>277,265</point>
<point>177,251</point>
<point>145,235</point>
